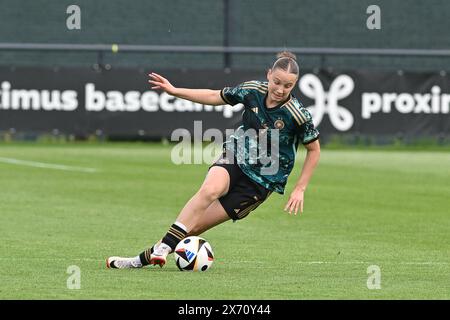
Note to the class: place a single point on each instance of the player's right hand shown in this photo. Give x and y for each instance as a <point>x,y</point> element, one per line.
<point>159,82</point>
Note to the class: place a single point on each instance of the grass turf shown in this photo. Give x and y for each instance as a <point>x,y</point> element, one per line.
<point>362,208</point>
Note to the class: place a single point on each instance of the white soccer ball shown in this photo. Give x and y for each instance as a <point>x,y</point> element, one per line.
<point>193,254</point>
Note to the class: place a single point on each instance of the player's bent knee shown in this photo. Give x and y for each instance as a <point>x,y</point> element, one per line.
<point>210,193</point>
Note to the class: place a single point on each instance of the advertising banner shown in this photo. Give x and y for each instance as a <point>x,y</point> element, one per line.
<point>119,102</point>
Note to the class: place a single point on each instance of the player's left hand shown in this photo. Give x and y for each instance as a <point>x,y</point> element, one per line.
<point>295,201</point>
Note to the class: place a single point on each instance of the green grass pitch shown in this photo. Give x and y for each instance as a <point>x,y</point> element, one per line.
<point>390,209</point>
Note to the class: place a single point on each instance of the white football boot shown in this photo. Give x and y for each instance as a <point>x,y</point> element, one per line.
<point>123,263</point>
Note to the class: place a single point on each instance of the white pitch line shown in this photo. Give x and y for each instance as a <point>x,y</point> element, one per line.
<point>362,262</point>
<point>368,263</point>
<point>46,165</point>
<point>53,259</point>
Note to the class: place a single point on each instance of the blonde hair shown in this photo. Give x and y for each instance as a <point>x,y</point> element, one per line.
<point>286,61</point>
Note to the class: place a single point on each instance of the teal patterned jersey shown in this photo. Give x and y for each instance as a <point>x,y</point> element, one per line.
<point>266,143</point>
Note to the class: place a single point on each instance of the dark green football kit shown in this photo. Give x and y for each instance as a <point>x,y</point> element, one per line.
<point>260,154</point>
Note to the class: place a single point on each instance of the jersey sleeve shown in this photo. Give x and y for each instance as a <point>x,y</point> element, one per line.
<point>307,133</point>
<point>234,95</point>
<point>306,130</point>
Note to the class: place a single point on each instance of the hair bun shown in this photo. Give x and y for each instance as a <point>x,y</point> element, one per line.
<point>286,54</point>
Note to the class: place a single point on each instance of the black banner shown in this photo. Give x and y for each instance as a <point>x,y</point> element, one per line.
<point>119,102</point>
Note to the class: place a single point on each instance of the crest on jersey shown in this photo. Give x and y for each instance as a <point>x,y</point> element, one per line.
<point>279,124</point>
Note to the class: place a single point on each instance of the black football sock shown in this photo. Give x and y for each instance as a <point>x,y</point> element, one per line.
<point>176,233</point>
<point>145,256</point>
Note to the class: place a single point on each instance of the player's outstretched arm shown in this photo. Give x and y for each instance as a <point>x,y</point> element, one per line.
<point>296,199</point>
<point>204,96</point>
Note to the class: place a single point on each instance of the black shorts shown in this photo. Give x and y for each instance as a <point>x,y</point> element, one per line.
<point>244,195</point>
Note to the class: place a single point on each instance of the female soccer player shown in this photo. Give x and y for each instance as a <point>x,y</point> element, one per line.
<point>237,183</point>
